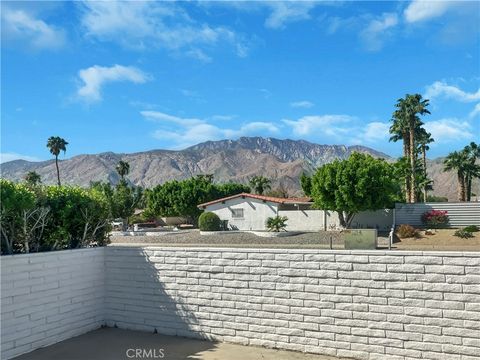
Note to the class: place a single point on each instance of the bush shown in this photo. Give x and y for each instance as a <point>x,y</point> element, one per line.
<point>471,228</point>
<point>435,218</point>
<point>407,231</point>
<point>209,221</point>
<point>277,223</point>
<point>462,233</point>
<point>51,218</point>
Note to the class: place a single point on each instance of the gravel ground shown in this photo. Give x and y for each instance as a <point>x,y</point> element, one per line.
<point>193,237</point>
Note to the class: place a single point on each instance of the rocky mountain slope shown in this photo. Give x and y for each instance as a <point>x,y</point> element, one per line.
<point>229,160</point>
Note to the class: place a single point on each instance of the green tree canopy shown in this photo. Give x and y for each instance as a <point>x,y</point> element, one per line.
<point>359,183</point>
<point>260,184</point>
<point>32,178</point>
<point>123,168</point>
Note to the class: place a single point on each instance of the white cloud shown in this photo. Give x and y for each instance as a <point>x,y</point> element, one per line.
<point>449,130</point>
<point>374,131</point>
<point>159,116</point>
<point>19,25</point>
<point>422,10</point>
<point>190,131</point>
<point>475,112</point>
<point>283,12</point>
<point>377,31</point>
<point>327,124</point>
<point>96,76</point>
<point>442,89</point>
<point>149,24</point>
<point>302,104</point>
<point>5,157</point>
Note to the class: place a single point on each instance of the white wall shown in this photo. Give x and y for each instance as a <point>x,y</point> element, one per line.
<point>303,220</point>
<point>376,305</point>
<point>49,297</point>
<point>256,212</point>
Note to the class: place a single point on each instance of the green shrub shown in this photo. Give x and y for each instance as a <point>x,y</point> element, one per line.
<point>277,223</point>
<point>407,231</point>
<point>209,221</point>
<point>471,228</point>
<point>462,233</point>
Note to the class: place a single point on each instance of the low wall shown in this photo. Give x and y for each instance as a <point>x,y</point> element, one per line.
<point>459,213</point>
<point>359,304</point>
<point>49,297</point>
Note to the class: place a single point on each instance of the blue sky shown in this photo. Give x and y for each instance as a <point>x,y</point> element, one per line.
<point>129,77</point>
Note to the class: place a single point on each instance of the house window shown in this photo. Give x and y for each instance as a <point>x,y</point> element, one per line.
<point>237,213</point>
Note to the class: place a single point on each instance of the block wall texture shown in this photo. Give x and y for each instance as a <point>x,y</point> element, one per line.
<point>49,297</point>
<point>363,305</point>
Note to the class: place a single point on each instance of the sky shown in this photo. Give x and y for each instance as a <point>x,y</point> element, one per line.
<point>136,76</point>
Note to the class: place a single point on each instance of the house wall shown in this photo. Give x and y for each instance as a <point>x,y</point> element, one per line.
<point>49,297</point>
<point>460,213</point>
<point>375,305</point>
<point>303,220</point>
<point>256,212</point>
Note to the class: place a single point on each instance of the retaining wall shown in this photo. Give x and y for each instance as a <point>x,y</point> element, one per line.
<point>49,297</point>
<point>359,304</point>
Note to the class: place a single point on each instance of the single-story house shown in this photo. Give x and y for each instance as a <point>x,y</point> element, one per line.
<point>250,212</point>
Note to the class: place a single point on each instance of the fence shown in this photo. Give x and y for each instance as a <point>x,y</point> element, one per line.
<point>359,304</point>
<point>460,213</point>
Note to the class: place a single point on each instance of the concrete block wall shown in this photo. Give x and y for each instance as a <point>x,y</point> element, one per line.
<point>49,297</point>
<point>358,304</point>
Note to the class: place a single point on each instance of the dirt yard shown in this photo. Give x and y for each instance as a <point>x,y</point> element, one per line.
<point>440,240</point>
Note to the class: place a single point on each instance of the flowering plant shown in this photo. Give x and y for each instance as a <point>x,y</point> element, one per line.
<point>435,218</point>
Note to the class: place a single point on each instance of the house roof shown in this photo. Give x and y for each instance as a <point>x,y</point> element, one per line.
<point>302,200</point>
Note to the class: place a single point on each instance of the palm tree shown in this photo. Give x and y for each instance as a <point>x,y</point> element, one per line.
<point>458,161</point>
<point>57,144</point>
<point>472,152</point>
<point>123,168</point>
<point>408,108</point>
<point>33,178</point>
<point>260,184</point>
<point>424,138</point>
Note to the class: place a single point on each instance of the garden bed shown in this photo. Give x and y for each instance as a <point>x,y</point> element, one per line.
<point>442,239</point>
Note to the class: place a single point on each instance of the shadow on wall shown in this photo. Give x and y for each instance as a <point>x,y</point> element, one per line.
<point>141,295</point>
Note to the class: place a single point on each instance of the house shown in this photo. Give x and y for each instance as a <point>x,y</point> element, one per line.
<point>250,212</point>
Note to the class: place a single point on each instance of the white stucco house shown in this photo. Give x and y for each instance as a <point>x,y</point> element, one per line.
<point>250,212</point>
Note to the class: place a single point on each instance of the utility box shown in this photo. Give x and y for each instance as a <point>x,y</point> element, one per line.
<point>360,239</point>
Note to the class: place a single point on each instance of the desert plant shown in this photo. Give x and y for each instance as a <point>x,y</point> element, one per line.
<point>462,233</point>
<point>209,221</point>
<point>277,223</point>
<point>407,231</point>
<point>471,228</point>
<point>435,218</point>
<point>57,144</point>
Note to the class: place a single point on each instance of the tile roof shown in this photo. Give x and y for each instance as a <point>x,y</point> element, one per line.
<point>260,197</point>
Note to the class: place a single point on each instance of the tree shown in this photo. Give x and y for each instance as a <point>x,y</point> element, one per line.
<point>424,138</point>
<point>123,168</point>
<point>230,188</point>
<point>306,183</point>
<point>472,170</point>
<point>406,121</point>
<point>280,192</point>
<point>359,183</point>
<point>32,178</point>
<point>260,184</point>
<point>57,144</point>
<point>458,161</point>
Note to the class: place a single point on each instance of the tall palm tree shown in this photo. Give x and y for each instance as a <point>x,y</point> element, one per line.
<point>260,184</point>
<point>399,131</point>
<point>409,108</point>
<point>33,178</point>
<point>424,138</point>
<point>458,161</point>
<point>472,152</point>
<point>123,168</point>
<point>57,144</point>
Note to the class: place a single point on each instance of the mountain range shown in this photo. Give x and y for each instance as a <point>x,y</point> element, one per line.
<point>283,161</point>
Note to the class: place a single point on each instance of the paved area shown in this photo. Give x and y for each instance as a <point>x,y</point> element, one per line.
<point>116,344</point>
